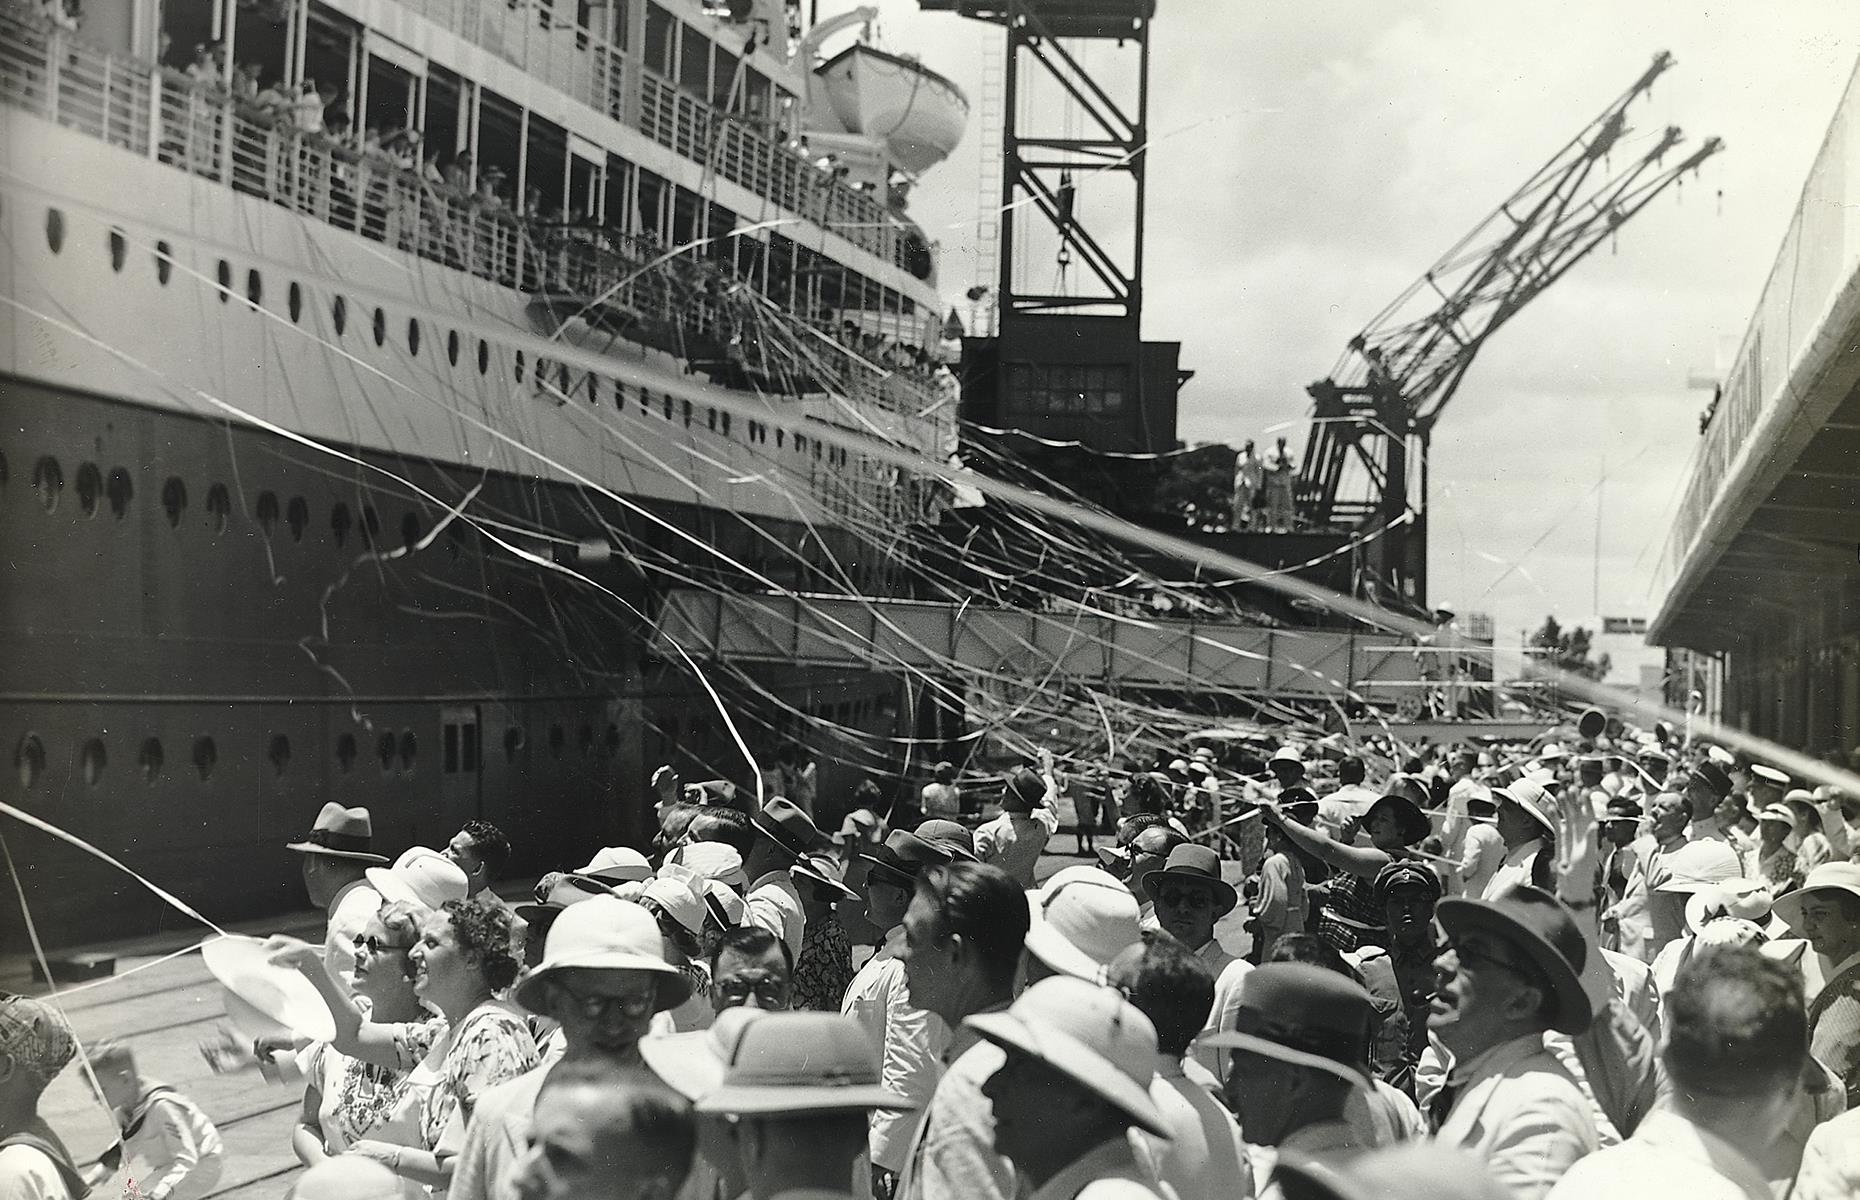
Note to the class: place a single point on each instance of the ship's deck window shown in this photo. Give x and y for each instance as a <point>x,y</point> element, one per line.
<point>668,408</point>
<point>556,741</point>
<point>149,760</point>
<point>225,281</point>
<point>726,424</point>
<point>295,298</point>
<point>219,508</point>
<point>409,749</point>
<point>267,512</point>
<point>339,523</point>
<point>254,287</point>
<point>119,250</point>
<point>279,752</point>
<point>164,262</point>
<point>206,757</point>
<point>384,750</point>
<point>339,313</point>
<point>49,479</point>
<point>92,760</point>
<point>380,327</point>
<point>297,516</point>
<point>29,759</point>
<point>452,347</point>
<point>584,740</point>
<point>89,487</point>
<point>55,229</point>
<point>484,357</point>
<point>779,432</point>
<point>513,743</point>
<point>519,366</point>
<point>711,415</point>
<point>345,753</point>
<point>687,414</point>
<point>413,335</point>
<point>174,500</point>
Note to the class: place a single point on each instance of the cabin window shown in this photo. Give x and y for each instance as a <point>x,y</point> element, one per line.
<point>89,487</point>
<point>29,759</point>
<point>149,760</point>
<point>119,250</point>
<point>55,229</point>
<point>206,757</point>
<point>174,500</point>
<point>119,490</point>
<point>92,760</point>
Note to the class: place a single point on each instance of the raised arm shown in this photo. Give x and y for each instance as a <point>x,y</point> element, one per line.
<point>356,1036</point>
<point>1357,860</point>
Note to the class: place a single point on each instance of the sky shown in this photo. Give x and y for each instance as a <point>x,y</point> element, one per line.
<point>1310,160</point>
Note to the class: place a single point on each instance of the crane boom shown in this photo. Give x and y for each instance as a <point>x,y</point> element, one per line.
<point>1374,414</point>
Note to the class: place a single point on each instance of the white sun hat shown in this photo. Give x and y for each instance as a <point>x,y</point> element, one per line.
<point>604,934</point>
<point>427,880</point>
<point>1081,920</point>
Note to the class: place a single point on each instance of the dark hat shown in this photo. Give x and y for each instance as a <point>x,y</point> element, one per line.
<point>1545,932</point>
<point>341,833</point>
<point>1407,872</point>
<point>903,857</point>
<point>563,889</point>
<point>1027,786</point>
<point>1305,1015</point>
<point>1621,808</point>
<point>1197,864</point>
<point>1414,824</point>
<point>1714,777</point>
<point>1299,803</point>
<point>787,825</point>
<point>952,836</point>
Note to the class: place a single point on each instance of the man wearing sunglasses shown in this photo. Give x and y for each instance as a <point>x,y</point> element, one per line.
<point>1190,896</point>
<point>751,968</point>
<point>602,977</point>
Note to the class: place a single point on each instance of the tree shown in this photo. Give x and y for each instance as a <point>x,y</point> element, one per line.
<point>1568,650</point>
<point>1196,487</point>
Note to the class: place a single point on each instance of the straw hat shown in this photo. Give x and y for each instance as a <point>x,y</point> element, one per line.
<point>1088,1033</point>
<point>1080,921</point>
<point>1738,899</point>
<point>617,864</point>
<point>1544,931</point>
<point>340,833</point>
<point>693,1063</point>
<point>281,995</point>
<point>427,879</point>
<point>1783,813</point>
<point>1304,1015</point>
<point>604,934</point>
<point>789,1062</point>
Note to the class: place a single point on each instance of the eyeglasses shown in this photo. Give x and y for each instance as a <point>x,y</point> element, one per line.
<point>636,1004</point>
<point>374,945</point>
<point>1185,898</point>
<point>771,991</point>
<point>1475,952</point>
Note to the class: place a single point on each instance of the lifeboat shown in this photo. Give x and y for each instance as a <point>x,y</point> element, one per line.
<point>918,114</point>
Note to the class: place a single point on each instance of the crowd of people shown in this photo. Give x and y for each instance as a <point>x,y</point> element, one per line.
<point>1630,967</point>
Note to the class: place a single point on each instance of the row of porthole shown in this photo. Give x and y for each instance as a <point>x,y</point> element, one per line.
<point>29,756</point>
<point>719,422</point>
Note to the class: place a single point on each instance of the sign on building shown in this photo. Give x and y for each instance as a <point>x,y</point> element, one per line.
<point>1625,625</point>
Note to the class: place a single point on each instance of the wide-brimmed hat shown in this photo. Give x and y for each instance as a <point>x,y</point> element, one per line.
<point>1298,803</point>
<point>958,838</point>
<point>788,1062</point>
<point>787,824</point>
<point>563,890</point>
<point>341,833</point>
<point>1835,878</point>
<point>1081,920</point>
<point>617,864</point>
<point>1305,1015</point>
<point>1088,1033</point>
<point>428,880</point>
<point>709,860</point>
<point>1740,899</point>
<point>693,1063</point>
<point>604,934</point>
<point>1405,1170</point>
<point>281,995</point>
<point>679,900</point>
<point>1533,799</point>
<point>1413,822</point>
<point>1538,925</point>
<point>1194,864</point>
<point>903,857</point>
<point>1027,786</point>
<point>1783,813</point>
<point>725,904</point>
<point>823,875</point>
<point>1714,777</point>
<point>1287,753</point>
<point>1696,865</point>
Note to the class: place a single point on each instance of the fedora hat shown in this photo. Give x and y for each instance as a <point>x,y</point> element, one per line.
<point>787,824</point>
<point>677,899</point>
<point>341,833</point>
<point>693,1063</point>
<point>1198,864</point>
<point>281,995</point>
<point>1414,824</point>
<point>617,864</point>
<point>1834,878</point>
<point>1545,931</point>
<point>788,1062</point>
<point>1026,785</point>
<point>1305,1015</point>
<point>1696,865</point>
<point>1714,777</point>
<point>709,860</point>
<point>953,836</point>
<point>1080,921</point>
<point>1088,1033</point>
<point>562,890</point>
<point>1533,799</point>
<point>428,880</point>
<point>823,875</point>
<point>604,933</point>
<point>1742,899</point>
<point>902,857</point>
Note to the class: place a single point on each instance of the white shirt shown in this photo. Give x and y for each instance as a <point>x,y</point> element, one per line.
<point>1224,1013</point>
<point>1514,870</point>
<point>1831,1161</point>
<point>1481,854</point>
<point>175,1148</point>
<point>774,903</point>
<point>1518,1109</point>
<point>27,1174</point>
<point>1348,803</point>
<point>911,1042</point>
<point>1668,1156</point>
<point>1203,1157</point>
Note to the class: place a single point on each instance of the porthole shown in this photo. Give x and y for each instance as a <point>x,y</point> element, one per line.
<point>206,757</point>
<point>556,741</point>
<point>594,388</point>
<point>294,298</point>
<point>297,516</point>
<point>339,523</point>
<point>668,407</point>
<point>779,431</point>
<point>279,753</point>
<point>55,229</point>
<point>513,743</point>
<point>410,531</point>
<point>519,372</point>
<point>119,250</point>
<point>711,419</point>
<point>225,281</point>
<point>48,478</point>
<point>345,753</point>
<point>339,313</point>
<point>174,500</point>
<point>413,335</point>
<point>409,749</point>
<point>584,740</point>
<point>164,263</point>
<point>254,288</point>
<point>452,347</point>
<point>562,379</point>
<point>384,750</point>
<point>687,414</point>
<point>120,491</point>
<point>371,526</point>
<point>484,357</point>
<point>219,509</point>
<point>380,328</point>
<point>149,760</point>
<point>267,512</point>
<point>726,424</point>
<point>89,488</point>
<point>29,760</point>
<point>92,759</point>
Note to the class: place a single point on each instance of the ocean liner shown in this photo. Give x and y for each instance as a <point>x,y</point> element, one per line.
<point>355,358</point>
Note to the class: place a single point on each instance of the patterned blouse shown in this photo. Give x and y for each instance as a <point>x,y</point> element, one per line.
<point>823,970</point>
<point>357,1096</point>
<point>491,1045</point>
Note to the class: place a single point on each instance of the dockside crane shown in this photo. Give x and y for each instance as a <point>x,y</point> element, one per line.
<point>1373,416</point>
